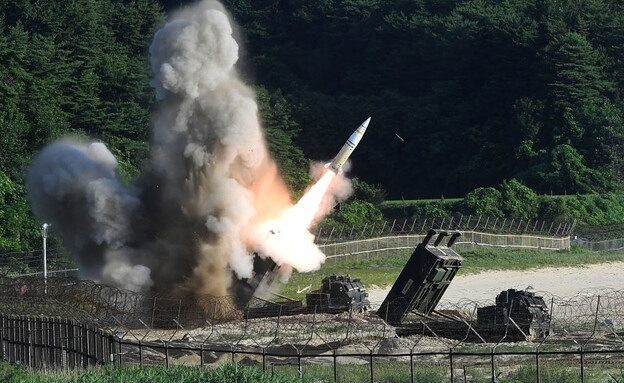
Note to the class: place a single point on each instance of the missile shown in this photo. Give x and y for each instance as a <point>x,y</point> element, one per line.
<point>348,148</point>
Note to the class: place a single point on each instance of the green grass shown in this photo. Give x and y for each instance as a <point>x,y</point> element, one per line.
<point>383,271</point>
<point>226,373</point>
<point>384,370</point>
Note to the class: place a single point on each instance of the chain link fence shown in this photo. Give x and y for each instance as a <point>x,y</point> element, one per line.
<point>606,245</point>
<point>76,324</point>
<point>325,234</point>
<point>366,249</point>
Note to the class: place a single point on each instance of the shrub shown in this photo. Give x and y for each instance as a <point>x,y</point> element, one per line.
<point>483,201</point>
<point>553,209</point>
<point>374,194</point>
<point>518,201</point>
<point>357,213</point>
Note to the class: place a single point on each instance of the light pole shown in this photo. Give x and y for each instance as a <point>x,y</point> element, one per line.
<point>44,234</point>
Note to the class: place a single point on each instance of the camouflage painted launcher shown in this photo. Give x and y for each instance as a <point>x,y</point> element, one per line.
<point>424,278</point>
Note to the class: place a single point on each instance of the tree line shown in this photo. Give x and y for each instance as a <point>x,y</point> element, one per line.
<point>463,94</point>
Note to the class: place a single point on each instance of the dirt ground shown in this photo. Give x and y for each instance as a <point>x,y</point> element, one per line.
<point>558,281</point>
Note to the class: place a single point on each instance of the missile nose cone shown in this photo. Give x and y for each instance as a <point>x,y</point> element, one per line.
<point>365,123</point>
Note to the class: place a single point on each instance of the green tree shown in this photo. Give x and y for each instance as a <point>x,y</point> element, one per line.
<point>518,201</point>
<point>483,201</point>
<point>567,171</point>
<point>356,213</point>
<point>280,130</point>
<point>18,230</point>
<point>374,194</point>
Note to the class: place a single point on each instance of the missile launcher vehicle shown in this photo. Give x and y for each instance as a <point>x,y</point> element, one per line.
<point>424,279</point>
<point>526,311</point>
<point>338,293</point>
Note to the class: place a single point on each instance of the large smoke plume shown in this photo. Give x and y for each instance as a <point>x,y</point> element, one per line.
<point>202,206</point>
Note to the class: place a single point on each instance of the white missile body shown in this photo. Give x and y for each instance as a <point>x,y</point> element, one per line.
<point>348,148</point>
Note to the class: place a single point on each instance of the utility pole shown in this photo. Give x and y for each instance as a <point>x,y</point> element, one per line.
<point>44,234</point>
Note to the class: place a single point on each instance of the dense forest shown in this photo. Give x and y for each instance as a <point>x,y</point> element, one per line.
<point>477,91</point>
<point>463,94</point>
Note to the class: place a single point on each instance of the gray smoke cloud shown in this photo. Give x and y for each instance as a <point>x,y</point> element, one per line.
<point>199,210</point>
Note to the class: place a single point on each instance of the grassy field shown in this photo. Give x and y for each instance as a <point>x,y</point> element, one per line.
<point>227,373</point>
<point>383,271</point>
<point>385,372</point>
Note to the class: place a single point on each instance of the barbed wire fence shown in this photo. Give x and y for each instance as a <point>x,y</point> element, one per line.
<point>366,249</point>
<point>325,233</point>
<point>66,323</point>
<point>347,242</point>
<point>350,242</point>
<point>71,323</point>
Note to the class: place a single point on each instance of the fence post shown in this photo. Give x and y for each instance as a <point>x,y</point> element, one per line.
<point>2,326</point>
<point>582,364</point>
<point>412,364</point>
<point>493,365</point>
<point>537,367</point>
<point>451,365</point>
<point>335,368</point>
<point>85,346</point>
<point>330,234</point>
<point>141,353</point>
<point>153,312</point>
<point>30,348</point>
<point>372,367</point>
<point>263,359</point>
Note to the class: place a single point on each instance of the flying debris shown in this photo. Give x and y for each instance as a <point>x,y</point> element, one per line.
<point>348,148</point>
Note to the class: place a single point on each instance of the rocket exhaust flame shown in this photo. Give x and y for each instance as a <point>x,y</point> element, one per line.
<point>302,214</point>
<point>299,217</point>
<point>287,233</point>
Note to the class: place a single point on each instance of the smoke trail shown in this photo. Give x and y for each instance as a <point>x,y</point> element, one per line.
<point>201,208</point>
